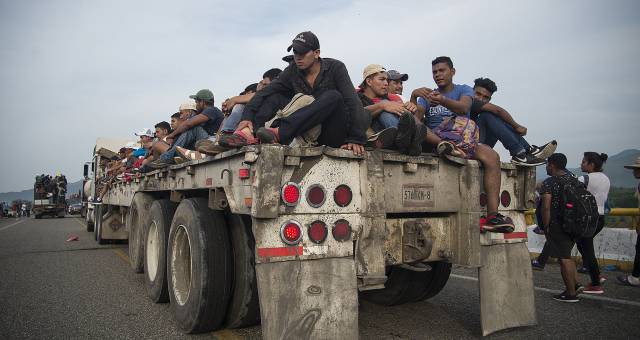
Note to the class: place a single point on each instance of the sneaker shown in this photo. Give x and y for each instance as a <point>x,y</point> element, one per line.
<point>415,149</point>
<point>212,149</point>
<point>627,280</point>
<point>160,163</point>
<point>235,140</point>
<point>525,159</point>
<point>406,130</point>
<point>447,148</point>
<point>591,289</point>
<point>267,135</point>
<point>543,152</point>
<point>603,279</point>
<point>538,230</point>
<point>564,297</point>
<point>535,264</point>
<point>499,224</point>
<point>385,139</point>
<point>579,288</point>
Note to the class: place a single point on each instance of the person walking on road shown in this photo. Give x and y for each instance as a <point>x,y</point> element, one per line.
<point>559,242</point>
<point>598,184</point>
<point>634,278</point>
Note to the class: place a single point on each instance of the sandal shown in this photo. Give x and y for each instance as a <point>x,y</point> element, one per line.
<point>237,139</point>
<point>624,280</point>
<point>268,135</point>
<point>189,154</point>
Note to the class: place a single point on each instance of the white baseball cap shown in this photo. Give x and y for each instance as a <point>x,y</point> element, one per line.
<point>145,132</point>
<point>132,145</point>
<point>188,105</point>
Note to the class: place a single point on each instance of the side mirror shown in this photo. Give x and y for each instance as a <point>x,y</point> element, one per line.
<point>86,170</point>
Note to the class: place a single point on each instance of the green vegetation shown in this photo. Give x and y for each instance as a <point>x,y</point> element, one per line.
<point>621,198</point>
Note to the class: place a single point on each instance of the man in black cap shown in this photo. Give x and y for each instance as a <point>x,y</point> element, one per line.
<point>559,242</point>
<point>335,106</point>
<point>395,82</point>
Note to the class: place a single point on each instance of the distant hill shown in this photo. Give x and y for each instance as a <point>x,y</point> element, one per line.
<point>8,197</point>
<point>613,168</point>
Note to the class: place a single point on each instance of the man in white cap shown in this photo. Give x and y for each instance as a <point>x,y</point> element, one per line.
<point>634,278</point>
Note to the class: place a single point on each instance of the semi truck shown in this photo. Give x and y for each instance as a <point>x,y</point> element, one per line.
<point>293,237</point>
<point>49,196</point>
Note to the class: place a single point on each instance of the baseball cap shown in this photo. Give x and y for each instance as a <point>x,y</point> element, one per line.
<point>635,165</point>
<point>131,145</point>
<point>189,105</point>
<point>559,160</point>
<point>372,69</point>
<point>145,132</point>
<point>395,75</point>
<point>304,42</point>
<point>204,94</point>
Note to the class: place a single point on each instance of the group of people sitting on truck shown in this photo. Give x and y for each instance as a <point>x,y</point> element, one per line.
<point>313,102</point>
<point>50,187</point>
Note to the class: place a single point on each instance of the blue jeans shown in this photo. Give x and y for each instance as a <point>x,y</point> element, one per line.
<point>385,120</point>
<point>231,122</point>
<point>186,140</point>
<point>494,129</point>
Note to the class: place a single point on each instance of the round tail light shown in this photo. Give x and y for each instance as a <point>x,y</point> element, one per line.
<point>505,198</point>
<point>317,232</point>
<point>290,194</point>
<point>291,232</point>
<point>342,195</point>
<point>316,195</point>
<point>483,199</point>
<point>341,230</point>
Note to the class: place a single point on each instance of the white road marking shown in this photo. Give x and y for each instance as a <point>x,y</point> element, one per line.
<point>11,225</point>
<point>554,291</point>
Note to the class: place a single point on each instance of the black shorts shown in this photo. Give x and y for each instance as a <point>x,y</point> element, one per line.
<point>559,242</point>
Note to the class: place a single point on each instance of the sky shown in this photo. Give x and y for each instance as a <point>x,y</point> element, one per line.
<point>73,71</point>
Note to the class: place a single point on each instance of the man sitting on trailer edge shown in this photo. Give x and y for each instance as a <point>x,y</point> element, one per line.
<point>335,106</point>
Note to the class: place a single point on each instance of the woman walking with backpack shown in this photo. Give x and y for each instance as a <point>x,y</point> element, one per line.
<point>597,183</point>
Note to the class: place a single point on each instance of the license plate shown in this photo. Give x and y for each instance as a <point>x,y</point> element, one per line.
<point>418,195</point>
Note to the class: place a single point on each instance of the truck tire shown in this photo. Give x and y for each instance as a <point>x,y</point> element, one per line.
<point>98,224</point>
<point>398,288</point>
<point>89,225</point>
<point>436,280</point>
<point>137,221</point>
<point>244,307</point>
<point>155,247</point>
<point>405,285</point>
<point>198,266</point>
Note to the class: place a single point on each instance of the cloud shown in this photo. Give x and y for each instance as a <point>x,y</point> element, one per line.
<point>73,71</point>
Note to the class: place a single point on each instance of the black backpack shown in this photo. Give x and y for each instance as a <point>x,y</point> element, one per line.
<point>579,209</point>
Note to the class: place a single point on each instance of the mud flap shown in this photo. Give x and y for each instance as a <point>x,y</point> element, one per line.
<point>312,299</point>
<point>506,287</point>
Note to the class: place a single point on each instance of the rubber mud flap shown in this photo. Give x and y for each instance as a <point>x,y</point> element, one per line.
<point>506,287</point>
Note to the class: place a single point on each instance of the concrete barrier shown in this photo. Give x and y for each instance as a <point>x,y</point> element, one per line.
<point>612,246</point>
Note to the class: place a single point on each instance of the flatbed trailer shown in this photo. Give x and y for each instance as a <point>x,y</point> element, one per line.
<point>293,237</point>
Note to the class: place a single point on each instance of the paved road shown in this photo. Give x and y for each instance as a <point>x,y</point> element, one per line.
<point>50,288</point>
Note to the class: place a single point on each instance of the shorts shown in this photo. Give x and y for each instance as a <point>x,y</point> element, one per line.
<point>559,242</point>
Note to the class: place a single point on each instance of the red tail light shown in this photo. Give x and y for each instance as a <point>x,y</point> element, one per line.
<point>341,230</point>
<point>483,199</point>
<point>505,198</point>
<point>342,195</point>
<point>317,232</point>
<point>316,195</point>
<point>291,232</point>
<point>243,173</point>
<point>291,194</point>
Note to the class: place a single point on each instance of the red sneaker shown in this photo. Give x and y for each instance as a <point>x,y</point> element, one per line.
<point>591,289</point>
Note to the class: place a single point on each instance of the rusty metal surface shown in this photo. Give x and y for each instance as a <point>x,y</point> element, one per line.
<point>308,299</point>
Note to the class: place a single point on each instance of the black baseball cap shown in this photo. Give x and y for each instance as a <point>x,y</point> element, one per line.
<point>304,42</point>
<point>559,160</point>
<point>395,75</point>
